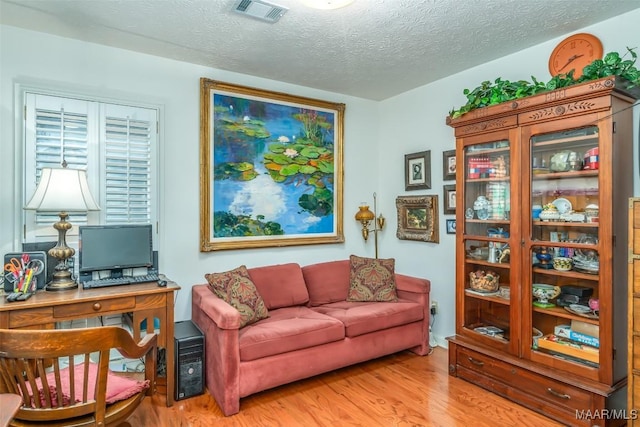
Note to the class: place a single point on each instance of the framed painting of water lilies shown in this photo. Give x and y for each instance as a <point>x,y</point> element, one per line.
<point>270,168</point>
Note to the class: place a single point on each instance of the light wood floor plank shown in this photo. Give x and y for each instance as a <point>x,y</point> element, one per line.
<point>401,390</point>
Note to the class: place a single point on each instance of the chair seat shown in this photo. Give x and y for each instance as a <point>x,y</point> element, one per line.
<point>87,394</point>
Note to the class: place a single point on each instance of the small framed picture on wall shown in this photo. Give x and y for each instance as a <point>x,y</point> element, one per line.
<point>417,171</point>
<point>449,199</point>
<point>451,226</point>
<point>449,165</point>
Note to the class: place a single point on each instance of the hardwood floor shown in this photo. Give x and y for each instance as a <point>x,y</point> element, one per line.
<point>397,390</point>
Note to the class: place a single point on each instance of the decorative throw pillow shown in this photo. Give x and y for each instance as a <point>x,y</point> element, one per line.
<point>236,289</point>
<point>372,279</point>
<point>218,282</point>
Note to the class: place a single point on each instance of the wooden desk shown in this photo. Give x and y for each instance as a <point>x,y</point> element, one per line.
<point>145,301</point>
<point>9,405</point>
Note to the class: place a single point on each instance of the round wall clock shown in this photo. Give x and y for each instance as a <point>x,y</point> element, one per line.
<point>574,53</point>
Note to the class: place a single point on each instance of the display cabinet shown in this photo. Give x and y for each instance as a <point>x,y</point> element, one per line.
<point>541,250</point>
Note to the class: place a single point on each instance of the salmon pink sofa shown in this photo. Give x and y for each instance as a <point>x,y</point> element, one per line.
<point>311,328</point>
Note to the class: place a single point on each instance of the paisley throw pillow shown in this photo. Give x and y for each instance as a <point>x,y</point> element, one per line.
<point>372,279</point>
<point>236,289</point>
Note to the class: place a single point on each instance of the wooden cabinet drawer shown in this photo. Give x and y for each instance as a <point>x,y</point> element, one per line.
<point>145,302</point>
<point>29,317</point>
<point>94,308</point>
<point>555,392</point>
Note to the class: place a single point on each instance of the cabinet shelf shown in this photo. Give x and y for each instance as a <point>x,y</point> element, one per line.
<point>473,152</point>
<point>561,312</point>
<point>487,263</point>
<point>565,175</point>
<point>572,141</point>
<point>490,179</point>
<point>488,221</point>
<point>571,273</point>
<point>492,298</point>
<point>565,224</point>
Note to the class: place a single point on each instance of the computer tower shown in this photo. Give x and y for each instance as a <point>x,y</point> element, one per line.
<point>189,357</point>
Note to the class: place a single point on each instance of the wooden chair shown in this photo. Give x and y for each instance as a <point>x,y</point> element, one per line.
<point>32,364</point>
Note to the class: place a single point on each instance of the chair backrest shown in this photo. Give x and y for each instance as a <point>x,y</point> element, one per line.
<point>63,373</point>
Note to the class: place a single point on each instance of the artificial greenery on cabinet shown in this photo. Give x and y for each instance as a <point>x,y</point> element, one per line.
<point>500,90</point>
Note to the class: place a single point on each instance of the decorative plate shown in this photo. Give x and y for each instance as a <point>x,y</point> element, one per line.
<point>563,205</point>
<point>580,308</point>
<point>589,315</point>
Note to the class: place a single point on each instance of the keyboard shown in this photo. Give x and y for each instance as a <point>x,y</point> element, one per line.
<point>118,281</point>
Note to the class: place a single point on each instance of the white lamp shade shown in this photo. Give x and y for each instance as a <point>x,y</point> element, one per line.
<point>62,190</point>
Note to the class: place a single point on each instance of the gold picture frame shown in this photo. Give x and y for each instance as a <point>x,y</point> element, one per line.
<point>271,168</point>
<point>418,218</point>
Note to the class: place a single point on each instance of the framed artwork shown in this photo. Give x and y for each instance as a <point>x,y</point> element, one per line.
<point>271,168</point>
<point>417,171</point>
<point>449,165</point>
<point>451,226</point>
<point>418,218</point>
<point>449,199</point>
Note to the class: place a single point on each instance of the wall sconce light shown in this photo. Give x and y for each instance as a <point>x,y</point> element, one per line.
<point>62,190</point>
<point>365,216</point>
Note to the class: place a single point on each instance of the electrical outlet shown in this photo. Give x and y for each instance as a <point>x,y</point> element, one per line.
<point>434,307</point>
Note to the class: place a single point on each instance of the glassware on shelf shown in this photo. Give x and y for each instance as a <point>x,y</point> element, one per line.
<point>468,214</point>
<point>481,206</point>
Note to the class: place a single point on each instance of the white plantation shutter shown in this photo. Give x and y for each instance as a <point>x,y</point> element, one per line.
<point>127,166</point>
<point>115,144</point>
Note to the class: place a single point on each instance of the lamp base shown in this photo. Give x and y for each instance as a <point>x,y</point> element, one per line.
<point>62,281</point>
<point>62,278</point>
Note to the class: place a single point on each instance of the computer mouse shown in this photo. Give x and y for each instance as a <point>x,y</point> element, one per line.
<point>162,283</point>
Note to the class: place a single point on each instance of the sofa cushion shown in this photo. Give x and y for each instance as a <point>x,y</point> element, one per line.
<point>236,288</point>
<point>364,317</point>
<point>372,279</point>
<point>280,285</point>
<point>288,329</point>
<point>327,281</point>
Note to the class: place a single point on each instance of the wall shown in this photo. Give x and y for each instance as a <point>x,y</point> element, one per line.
<point>377,136</point>
<point>34,58</point>
<point>415,121</point>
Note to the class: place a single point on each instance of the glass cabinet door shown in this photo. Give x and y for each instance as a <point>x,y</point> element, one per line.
<point>564,247</point>
<point>486,204</point>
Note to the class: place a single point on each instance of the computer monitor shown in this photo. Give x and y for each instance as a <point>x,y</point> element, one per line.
<point>112,247</point>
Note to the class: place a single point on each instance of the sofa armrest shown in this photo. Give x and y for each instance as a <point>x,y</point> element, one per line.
<point>220,324</point>
<point>417,290</point>
<point>223,314</point>
<point>410,284</point>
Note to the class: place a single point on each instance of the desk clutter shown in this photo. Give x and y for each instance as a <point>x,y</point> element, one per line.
<point>24,272</point>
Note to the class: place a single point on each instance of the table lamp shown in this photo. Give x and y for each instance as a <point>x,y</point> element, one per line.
<point>365,216</point>
<point>62,190</point>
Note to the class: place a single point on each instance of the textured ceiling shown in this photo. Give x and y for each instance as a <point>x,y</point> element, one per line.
<point>372,49</point>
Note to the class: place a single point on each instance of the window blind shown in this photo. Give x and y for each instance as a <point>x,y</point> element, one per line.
<point>114,143</point>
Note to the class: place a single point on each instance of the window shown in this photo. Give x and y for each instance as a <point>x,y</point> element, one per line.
<point>115,144</point>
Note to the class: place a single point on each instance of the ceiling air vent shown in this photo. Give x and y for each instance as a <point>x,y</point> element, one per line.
<point>259,9</point>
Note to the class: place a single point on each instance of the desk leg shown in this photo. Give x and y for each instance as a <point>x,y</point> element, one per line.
<point>170,353</point>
